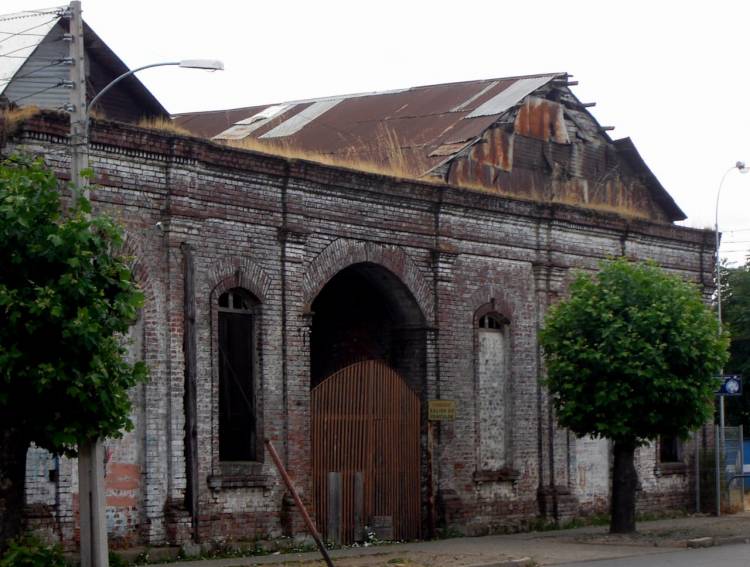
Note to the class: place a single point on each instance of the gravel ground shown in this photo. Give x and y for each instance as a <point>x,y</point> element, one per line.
<point>544,548</point>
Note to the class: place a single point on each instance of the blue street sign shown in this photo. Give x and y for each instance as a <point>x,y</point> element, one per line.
<point>731,385</point>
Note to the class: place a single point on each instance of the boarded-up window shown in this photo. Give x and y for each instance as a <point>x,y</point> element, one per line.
<point>493,391</point>
<point>237,409</point>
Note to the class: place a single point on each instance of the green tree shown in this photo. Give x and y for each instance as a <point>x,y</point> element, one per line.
<point>631,355</point>
<point>736,315</point>
<point>66,299</point>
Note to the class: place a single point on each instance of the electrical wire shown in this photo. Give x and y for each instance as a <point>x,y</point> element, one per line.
<point>59,84</point>
<point>24,32</point>
<point>59,12</point>
<point>31,73</point>
<point>15,56</point>
<point>30,46</point>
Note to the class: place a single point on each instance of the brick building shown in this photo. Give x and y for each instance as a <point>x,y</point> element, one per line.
<point>323,307</point>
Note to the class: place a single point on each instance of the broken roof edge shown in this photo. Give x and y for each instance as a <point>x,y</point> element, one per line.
<point>627,148</point>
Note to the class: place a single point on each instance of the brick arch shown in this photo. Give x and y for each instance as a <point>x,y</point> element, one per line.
<point>239,272</point>
<point>343,253</point>
<point>491,299</point>
<point>132,246</point>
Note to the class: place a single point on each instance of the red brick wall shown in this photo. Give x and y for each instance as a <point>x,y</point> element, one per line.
<point>282,229</point>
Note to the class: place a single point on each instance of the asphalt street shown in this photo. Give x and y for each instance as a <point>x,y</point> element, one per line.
<point>724,556</point>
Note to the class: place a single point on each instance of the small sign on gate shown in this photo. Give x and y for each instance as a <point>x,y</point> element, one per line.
<point>441,410</point>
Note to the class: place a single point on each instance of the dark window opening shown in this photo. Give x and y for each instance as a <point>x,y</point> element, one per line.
<point>492,321</point>
<point>237,412</point>
<point>670,449</point>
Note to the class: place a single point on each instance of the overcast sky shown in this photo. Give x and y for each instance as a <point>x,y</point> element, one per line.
<point>672,75</point>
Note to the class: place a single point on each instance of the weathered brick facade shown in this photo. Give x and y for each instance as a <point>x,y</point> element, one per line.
<point>281,229</point>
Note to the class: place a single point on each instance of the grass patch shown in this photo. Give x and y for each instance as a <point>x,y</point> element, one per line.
<point>14,117</point>
<point>162,124</point>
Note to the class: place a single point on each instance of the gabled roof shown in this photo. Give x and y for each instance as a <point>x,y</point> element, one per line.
<point>34,65</point>
<point>428,124</point>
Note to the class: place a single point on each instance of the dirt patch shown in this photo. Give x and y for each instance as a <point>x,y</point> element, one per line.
<point>409,559</point>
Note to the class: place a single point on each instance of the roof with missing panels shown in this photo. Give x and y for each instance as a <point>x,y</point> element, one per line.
<point>419,130</point>
<point>427,124</point>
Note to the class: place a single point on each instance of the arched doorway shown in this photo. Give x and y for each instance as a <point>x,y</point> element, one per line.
<point>367,375</point>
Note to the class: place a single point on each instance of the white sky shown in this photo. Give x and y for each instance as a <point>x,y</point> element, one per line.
<point>672,75</point>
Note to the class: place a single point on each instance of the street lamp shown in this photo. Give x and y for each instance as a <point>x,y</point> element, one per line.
<point>82,111</point>
<point>205,64</point>
<point>742,168</point>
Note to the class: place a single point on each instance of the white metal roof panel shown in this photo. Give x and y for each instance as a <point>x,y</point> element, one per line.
<point>301,119</point>
<point>509,97</point>
<point>472,98</point>
<point>243,128</point>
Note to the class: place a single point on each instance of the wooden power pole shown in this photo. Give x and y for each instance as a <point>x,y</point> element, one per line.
<point>92,516</point>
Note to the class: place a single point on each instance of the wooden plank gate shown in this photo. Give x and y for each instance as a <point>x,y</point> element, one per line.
<point>365,454</point>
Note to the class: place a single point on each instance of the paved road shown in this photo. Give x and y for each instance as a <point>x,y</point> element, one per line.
<point>724,556</point>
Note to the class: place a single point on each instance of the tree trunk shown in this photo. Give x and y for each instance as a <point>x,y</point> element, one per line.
<point>13,447</point>
<point>624,484</point>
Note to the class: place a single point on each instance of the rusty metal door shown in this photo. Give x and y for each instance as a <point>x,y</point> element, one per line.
<point>365,454</point>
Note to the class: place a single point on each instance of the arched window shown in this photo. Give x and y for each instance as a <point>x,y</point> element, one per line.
<point>493,377</point>
<point>238,431</point>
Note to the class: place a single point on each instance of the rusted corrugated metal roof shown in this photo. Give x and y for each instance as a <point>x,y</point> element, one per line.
<point>430,129</point>
<point>426,124</point>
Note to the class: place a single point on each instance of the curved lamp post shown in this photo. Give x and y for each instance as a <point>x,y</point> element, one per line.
<point>82,112</point>
<point>205,64</point>
<point>742,168</point>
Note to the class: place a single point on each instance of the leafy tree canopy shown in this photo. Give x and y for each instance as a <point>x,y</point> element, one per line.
<point>66,299</point>
<point>632,354</point>
<point>736,315</point>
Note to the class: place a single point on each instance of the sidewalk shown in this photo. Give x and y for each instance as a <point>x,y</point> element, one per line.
<point>534,548</point>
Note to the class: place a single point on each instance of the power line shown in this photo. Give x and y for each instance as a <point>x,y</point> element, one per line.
<point>33,13</point>
<point>24,32</point>
<point>59,84</point>
<point>30,46</point>
<point>30,73</point>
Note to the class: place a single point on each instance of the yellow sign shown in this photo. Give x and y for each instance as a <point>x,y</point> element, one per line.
<point>441,410</point>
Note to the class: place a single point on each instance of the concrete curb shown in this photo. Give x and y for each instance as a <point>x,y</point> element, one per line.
<point>717,541</point>
<point>520,562</point>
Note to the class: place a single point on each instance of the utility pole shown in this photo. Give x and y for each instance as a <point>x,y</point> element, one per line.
<point>91,494</point>
<point>79,143</point>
